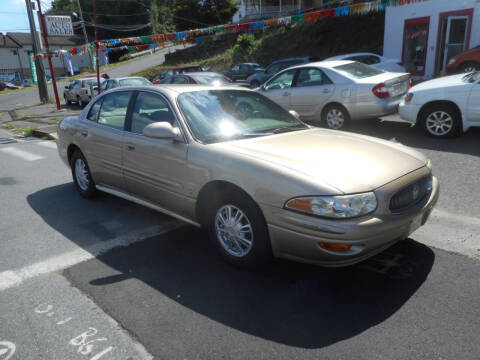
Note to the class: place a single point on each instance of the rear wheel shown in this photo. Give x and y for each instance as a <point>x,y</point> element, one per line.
<point>82,177</point>
<point>441,121</point>
<point>239,231</point>
<point>469,67</point>
<point>80,102</point>
<point>335,117</point>
<point>68,102</point>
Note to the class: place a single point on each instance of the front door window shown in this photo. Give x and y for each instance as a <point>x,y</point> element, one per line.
<point>415,45</point>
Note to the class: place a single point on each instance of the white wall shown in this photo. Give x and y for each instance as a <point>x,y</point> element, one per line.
<point>395,17</point>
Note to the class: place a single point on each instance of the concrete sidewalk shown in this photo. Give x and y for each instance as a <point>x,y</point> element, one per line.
<point>37,120</point>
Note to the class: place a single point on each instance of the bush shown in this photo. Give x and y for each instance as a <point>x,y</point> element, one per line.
<point>242,50</point>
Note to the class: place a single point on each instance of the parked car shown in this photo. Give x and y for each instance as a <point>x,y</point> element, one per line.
<point>8,85</point>
<point>176,70</point>
<point>263,183</point>
<point>334,93</point>
<point>123,81</point>
<point>242,71</point>
<point>261,76</point>
<point>444,107</point>
<point>374,60</point>
<point>464,62</point>
<point>204,78</point>
<point>79,91</point>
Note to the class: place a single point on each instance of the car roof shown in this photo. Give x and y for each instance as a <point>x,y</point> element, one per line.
<point>292,58</point>
<point>327,64</point>
<point>211,73</point>
<point>183,88</point>
<point>127,77</point>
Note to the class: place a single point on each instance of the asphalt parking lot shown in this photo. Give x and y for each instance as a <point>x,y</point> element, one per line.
<point>169,296</point>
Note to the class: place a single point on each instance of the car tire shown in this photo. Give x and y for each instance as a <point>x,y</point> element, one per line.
<point>80,102</point>
<point>234,215</point>
<point>441,121</point>
<point>82,177</point>
<point>469,67</point>
<point>255,84</point>
<point>68,102</point>
<point>335,117</point>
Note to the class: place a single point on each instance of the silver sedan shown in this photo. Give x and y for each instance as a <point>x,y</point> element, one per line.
<point>336,92</point>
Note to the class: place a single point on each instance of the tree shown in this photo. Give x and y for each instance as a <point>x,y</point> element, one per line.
<point>190,14</point>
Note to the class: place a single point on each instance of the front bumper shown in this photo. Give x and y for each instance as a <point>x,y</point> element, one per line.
<point>409,112</point>
<point>296,236</point>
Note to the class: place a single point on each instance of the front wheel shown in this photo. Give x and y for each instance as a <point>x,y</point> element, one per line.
<point>335,117</point>
<point>82,177</point>
<point>239,231</point>
<point>441,121</point>
<point>80,102</point>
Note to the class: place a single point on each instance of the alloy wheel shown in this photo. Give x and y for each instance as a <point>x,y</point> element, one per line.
<point>439,123</point>
<point>335,119</point>
<point>234,230</point>
<point>81,174</point>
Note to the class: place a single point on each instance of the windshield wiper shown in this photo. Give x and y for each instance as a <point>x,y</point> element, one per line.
<point>284,129</point>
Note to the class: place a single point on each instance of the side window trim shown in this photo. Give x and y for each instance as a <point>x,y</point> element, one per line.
<point>100,102</point>
<point>128,117</point>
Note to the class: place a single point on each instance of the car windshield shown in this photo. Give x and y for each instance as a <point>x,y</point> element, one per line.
<point>223,115</point>
<point>192,69</point>
<point>134,82</point>
<point>211,79</point>
<point>358,70</point>
<point>86,83</point>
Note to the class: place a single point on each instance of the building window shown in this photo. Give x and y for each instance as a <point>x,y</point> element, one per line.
<point>415,45</point>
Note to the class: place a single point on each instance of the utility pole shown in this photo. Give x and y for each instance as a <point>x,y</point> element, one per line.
<point>42,83</point>
<point>96,45</point>
<point>84,33</point>
<point>49,55</point>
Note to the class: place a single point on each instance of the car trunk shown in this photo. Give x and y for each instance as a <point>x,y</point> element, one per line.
<point>397,83</point>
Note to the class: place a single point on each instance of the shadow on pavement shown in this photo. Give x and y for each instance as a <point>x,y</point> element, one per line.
<point>415,137</point>
<point>293,304</point>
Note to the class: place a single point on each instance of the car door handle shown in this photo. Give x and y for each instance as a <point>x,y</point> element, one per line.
<point>326,91</point>
<point>286,94</point>
<point>130,147</point>
<point>84,133</point>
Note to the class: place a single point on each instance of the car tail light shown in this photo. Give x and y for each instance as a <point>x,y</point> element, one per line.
<point>410,83</point>
<point>381,91</point>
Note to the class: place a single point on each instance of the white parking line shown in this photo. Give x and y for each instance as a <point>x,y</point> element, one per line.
<point>25,155</point>
<point>12,278</point>
<point>47,144</point>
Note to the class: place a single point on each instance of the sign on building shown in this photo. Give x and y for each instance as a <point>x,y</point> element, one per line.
<point>59,25</point>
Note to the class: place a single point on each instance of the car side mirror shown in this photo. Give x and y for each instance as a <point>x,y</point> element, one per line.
<point>162,130</point>
<point>294,114</point>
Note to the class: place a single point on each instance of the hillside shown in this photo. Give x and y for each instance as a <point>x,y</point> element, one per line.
<point>323,38</point>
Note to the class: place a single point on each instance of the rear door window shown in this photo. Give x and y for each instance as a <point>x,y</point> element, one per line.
<point>282,81</point>
<point>311,77</point>
<point>114,109</point>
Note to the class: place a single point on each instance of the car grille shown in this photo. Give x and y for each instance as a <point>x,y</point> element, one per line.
<point>411,195</point>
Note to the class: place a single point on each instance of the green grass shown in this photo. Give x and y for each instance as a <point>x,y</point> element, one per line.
<point>8,126</point>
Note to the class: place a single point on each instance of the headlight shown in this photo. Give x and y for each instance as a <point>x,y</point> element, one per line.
<point>336,207</point>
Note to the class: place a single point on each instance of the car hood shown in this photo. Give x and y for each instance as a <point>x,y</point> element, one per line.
<point>443,82</point>
<point>348,162</point>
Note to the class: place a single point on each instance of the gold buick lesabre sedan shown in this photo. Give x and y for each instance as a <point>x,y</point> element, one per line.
<point>263,183</point>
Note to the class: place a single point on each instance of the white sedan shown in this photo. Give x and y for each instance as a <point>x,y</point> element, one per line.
<point>444,107</point>
<point>377,61</point>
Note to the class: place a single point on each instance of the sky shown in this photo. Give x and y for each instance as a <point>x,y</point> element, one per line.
<point>13,15</point>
